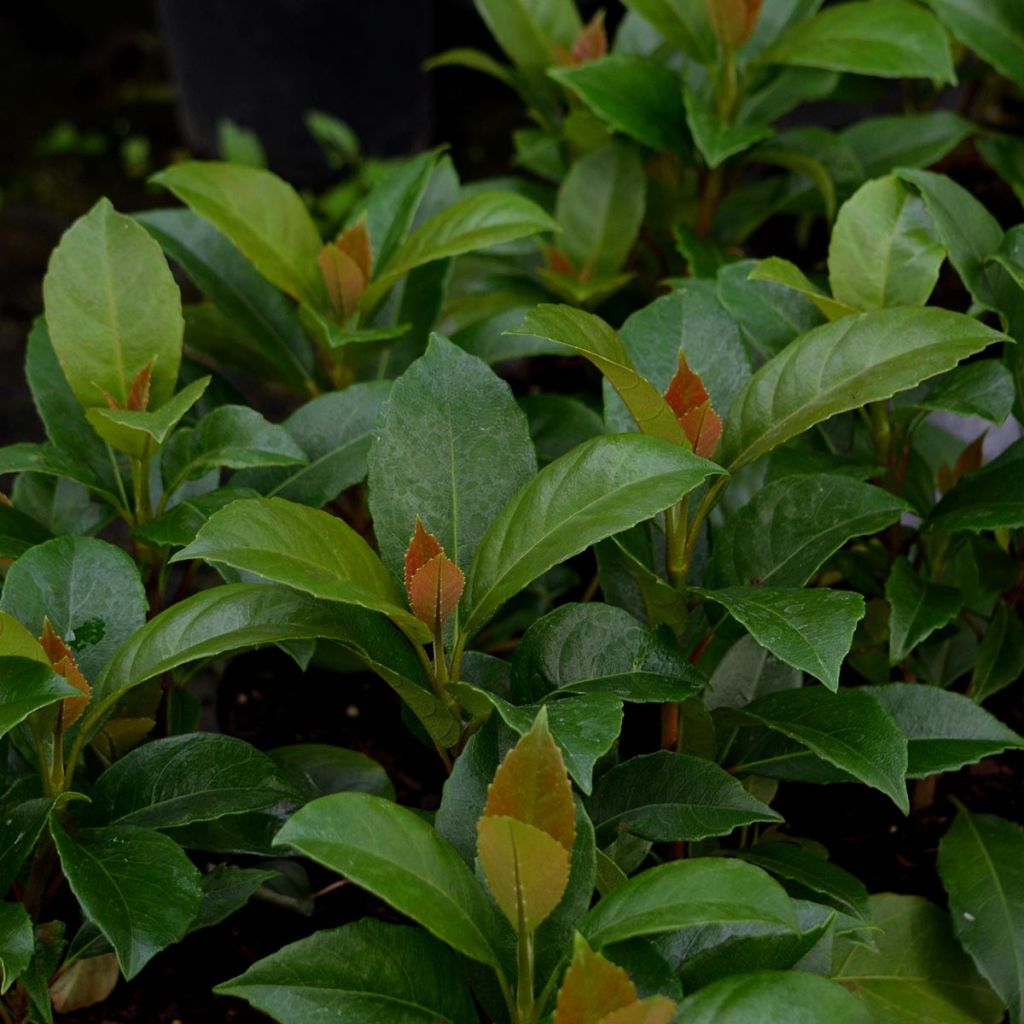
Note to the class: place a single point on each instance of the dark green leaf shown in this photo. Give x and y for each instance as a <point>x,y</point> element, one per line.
<point>994,29</point>
<point>19,532</point>
<point>684,23</point>
<point>316,769</point>
<point>226,889</point>
<point>917,608</point>
<point>1000,659</point>
<point>179,525</point>
<point>983,388</point>
<point>23,824</point>
<point>558,423</point>
<point>991,499</point>
<point>912,140</point>
<point>16,943</point>
<point>527,29</point>
<point>717,140</point>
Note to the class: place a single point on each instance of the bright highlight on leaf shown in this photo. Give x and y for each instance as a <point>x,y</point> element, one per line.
<point>346,265</point>
<point>433,582</point>
<point>526,833</point>
<point>63,661</point>
<point>690,402</point>
<point>596,991</point>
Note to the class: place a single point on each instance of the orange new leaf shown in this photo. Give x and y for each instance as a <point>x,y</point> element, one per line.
<point>138,395</point>
<point>689,400</point>
<point>733,21</point>
<point>433,581</point>
<point>63,661</point>
<point>592,988</point>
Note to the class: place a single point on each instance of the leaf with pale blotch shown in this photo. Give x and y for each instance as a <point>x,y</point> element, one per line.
<point>423,546</point>
<point>592,988</point>
<point>656,1010</point>
<point>690,402</point>
<point>63,661</point>
<point>526,869</point>
<point>435,590</point>
<point>532,786</point>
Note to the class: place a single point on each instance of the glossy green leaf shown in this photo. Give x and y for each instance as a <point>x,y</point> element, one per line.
<point>592,338</point>
<point>88,589</point>
<point>785,533</point>
<point>425,462</point>
<point>912,140</point>
<point>261,214</point>
<point>527,29</point>
<point>226,889</point>
<point>317,769</point>
<point>842,366</point>
<point>774,997</point>
<point>365,973</point>
<point>23,825</point>
<point>183,779</point>
<point>848,729</point>
<point>684,23</point>
<point>994,29</point>
<point>884,249</point>
<point>477,221</point>
<point>16,943</point>
<point>981,863</point>
<point>886,38</point>
<point>334,432</point>
<point>916,974</point>
<point>304,548</point>
<point>179,525</point>
<point>113,309</point>
<point>780,271</point>
<point>687,893</point>
<point>990,499</point>
<point>982,388</point>
<point>917,608</point>
<point>136,885</point>
<point>633,95</point>
<point>666,796</point>
<point>396,855</point>
<point>28,685</point>
<point>600,207</point>
<point>811,630</point>
<point>598,648</point>
<point>600,488</point>
<point>227,278</point>
<point>715,139</point>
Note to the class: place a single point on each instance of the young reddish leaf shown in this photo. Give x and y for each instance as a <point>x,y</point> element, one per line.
<point>355,243</point>
<point>969,461</point>
<point>435,589</point>
<point>63,661</point>
<point>532,786</point>
<point>526,869</point>
<point>558,263</point>
<point>343,278</point>
<point>138,395</point>
<point>423,546</point>
<point>689,400</point>
<point>656,1010</point>
<point>593,988</point>
<point>733,21</point>
<point>592,42</point>
<point>4,500</point>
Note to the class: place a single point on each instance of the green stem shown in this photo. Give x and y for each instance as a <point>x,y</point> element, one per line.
<point>125,510</point>
<point>525,1005</point>
<point>703,511</point>
<point>675,543</point>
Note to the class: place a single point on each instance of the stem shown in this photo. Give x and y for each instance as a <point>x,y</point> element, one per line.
<point>703,511</point>
<point>675,543</point>
<point>525,1005</point>
<point>124,510</point>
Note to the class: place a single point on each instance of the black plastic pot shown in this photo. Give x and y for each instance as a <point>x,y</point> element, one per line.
<point>264,65</point>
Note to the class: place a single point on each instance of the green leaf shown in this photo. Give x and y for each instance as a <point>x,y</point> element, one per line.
<point>135,884</point>
<point>317,769</point>
<point>140,432</point>
<point>780,271</point>
<point>811,630</point>
<point>225,890</point>
<point>1005,155</point>
<point>945,730</point>
<point>558,423</point>
<point>23,825</point>
<point>396,855</point>
<point>261,214</point>
<point>994,29</point>
<point>365,973</point>
<point>981,863</point>
<point>635,96</point>
<point>600,488</point>
<point>183,779</point>
<point>527,29</point>
<point>28,686</point>
<point>747,671</point>
<point>848,729</point>
<point>685,894</point>
<point>918,608</point>
<point>983,388</point>
<point>16,943</point>
<point>665,796</point>
<point>476,221</point>
<point>232,435</point>
<point>229,280</point>
<point>592,338</point>
<point>112,309</point>
<point>886,38</point>
<point>425,462</point>
<point>304,548</point>
<point>179,525</point>
<point>774,997</point>
<point>600,207</point>
<point>1000,659</point>
<point>842,366</point>
<point>19,532</point>
<point>684,23</point>
<point>245,615</point>
<point>88,589</point>
<point>715,139</point>
<point>990,499</point>
<point>334,432</point>
<point>884,249</point>
<point>811,875</point>
<point>916,972</point>
<point>790,527</point>
<point>912,140</point>
<point>597,648</point>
